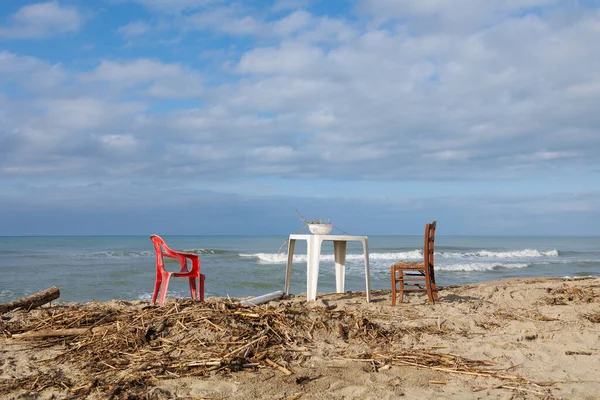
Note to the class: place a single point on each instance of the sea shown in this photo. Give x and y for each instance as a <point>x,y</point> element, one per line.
<point>102,268</point>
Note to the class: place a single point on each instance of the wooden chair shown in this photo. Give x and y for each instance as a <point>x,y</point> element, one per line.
<point>417,276</point>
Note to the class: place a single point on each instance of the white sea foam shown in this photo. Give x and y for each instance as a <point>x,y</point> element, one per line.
<point>204,251</point>
<point>270,258</point>
<point>145,296</point>
<point>524,253</point>
<point>404,255</point>
<point>6,293</point>
<point>274,258</point>
<point>412,255</point>
<point>469,267</point>
<point>114,254</point>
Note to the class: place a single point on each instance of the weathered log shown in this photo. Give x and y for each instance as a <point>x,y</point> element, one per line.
<point>33,301</point>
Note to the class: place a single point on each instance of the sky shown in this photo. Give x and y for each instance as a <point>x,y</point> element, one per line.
<point>127,117</point>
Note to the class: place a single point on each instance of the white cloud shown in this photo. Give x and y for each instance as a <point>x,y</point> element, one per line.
<point>84,114</point>
<point>30,72</point>
<point>440,15</point>
<point>136,28</point>
<point>42,20</point>
<point>175,6</point>
<point>289,58</point>
<point>280,5</point>
<point>118,142</point>
<point>232,20</point>
<point>160,79</point>
<point>292,23</point>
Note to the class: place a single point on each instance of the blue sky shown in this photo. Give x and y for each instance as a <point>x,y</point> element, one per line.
<point>224,117</point>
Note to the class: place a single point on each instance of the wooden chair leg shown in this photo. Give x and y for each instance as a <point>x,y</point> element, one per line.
<point>393,286</point>
<point>434,290</point>
<point>431,294</point>
<point>401,286</point>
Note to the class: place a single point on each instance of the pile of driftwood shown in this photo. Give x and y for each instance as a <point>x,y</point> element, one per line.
<point>122,348</point>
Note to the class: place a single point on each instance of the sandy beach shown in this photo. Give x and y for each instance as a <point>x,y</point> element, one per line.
<point>509,339</point>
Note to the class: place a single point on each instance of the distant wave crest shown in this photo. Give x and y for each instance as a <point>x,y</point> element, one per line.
<point>524,253</point>
<point>470,267</point>
<point>114,254</point>
<point>144,253</point>
<point>278,258</point>
<point>207,251</point>
<point>274,258</point>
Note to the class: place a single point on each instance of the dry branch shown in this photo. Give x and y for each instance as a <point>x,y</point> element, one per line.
<point>33,301</point>
<point>279,367</point>
<point>58,332</point>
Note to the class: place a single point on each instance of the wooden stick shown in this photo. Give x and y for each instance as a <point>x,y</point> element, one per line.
<point>279,367</point>
<point>454,371</point>
<point>58,332</point>
<point>244,346</point>
<point>33,301</point>
<point>522,390</point>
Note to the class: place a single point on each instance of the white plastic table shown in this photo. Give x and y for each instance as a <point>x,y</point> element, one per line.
<point>313,256</point>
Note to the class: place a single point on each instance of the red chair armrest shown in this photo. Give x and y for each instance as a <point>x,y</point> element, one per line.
<point>183,257</point>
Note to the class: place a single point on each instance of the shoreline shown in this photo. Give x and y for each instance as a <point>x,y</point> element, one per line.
<point>531,337</point>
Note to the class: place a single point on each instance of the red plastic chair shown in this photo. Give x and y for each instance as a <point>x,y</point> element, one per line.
<point>163,276</point>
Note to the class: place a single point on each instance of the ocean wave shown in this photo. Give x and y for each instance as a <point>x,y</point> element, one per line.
<point>114,254</point>
<point>403,255</point>
<point>143,253</point>
<point>271,258</point>
<point>6,294</point>
<point>411,255</point>
<point>274,258</point>
<point>208,251</point>
<point>524,253</point>
<point>471,267</point>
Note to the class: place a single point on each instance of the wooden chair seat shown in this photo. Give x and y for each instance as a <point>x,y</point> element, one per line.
<point>408,265</point>
<point>417,276</point>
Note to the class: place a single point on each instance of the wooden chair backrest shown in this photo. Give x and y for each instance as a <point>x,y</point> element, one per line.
<point>428,247</point>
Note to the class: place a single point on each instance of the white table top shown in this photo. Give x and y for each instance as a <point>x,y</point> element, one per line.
<point>329,237</point>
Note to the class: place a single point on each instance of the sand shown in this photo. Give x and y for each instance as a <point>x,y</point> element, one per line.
<point>519,339</point>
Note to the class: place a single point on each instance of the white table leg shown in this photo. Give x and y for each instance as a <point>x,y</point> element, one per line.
<point>288,268</point>
<point>339,251</point>
<point>367,268</point>
<point>313,253</point>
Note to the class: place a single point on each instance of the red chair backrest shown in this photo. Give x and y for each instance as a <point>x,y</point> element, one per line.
<point>162,250</point>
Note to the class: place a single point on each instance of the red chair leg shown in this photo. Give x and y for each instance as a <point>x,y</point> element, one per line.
<point>193,287</point>
<point>156,289</point>
<point>201,286</point>
<point>163,288</point>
